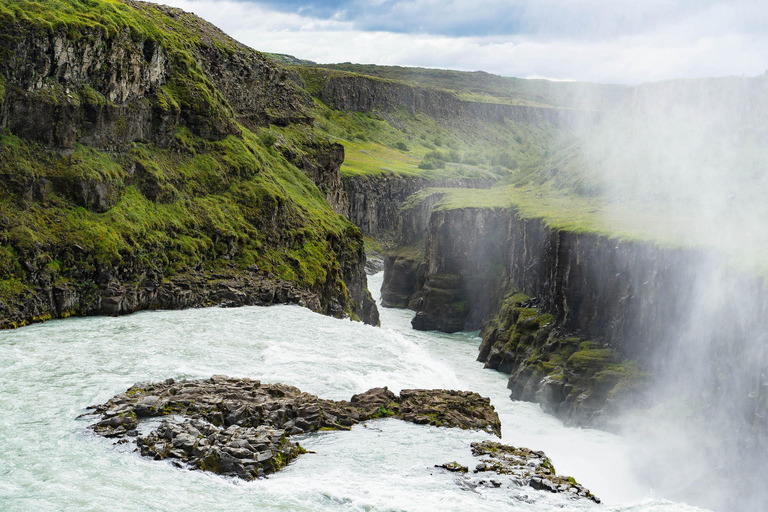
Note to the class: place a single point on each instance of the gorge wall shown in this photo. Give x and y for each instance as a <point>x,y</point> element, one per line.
<point>582,323</point>
<point>375,201</point>
<point>135,173</point>
<point>361,93</point>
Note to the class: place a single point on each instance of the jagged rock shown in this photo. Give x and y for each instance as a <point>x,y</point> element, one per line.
<point>519,467</point>
<point>463,409</point>
<point>239,427</point>
<point>374,265</point>
<point>244,452</point>
<point>401,281</point>
<point>453,467</point>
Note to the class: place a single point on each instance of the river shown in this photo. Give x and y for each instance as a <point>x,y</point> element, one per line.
<point>49,460</point>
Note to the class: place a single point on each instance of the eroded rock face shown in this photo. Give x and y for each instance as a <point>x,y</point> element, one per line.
<point>464,259</point>
<point>136,67</point>
<point>366,94</point>
<point>110,92</point>
<point>375,201</point>
<point>519,467</point>
<point>240,427</point>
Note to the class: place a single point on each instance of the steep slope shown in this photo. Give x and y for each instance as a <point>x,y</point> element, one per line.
<point>148,160</point>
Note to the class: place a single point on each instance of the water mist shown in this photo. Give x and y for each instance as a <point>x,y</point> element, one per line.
<point>686,161</point>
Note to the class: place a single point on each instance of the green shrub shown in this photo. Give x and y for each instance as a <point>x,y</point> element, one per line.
<point>268,139</point>
<point>435,155</point>
<point>431,163</point>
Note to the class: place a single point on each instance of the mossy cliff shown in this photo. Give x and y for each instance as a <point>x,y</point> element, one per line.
<point>579,321</point>
<point>362,93</point>
<point>403,137</point>
<point>148,160</point>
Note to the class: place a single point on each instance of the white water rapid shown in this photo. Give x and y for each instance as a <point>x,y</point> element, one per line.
<point>50,461</point>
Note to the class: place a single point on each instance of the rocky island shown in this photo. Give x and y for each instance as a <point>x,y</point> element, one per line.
<point>243,428</point>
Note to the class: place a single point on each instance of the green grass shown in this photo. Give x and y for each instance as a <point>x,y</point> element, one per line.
<point>396,143</point>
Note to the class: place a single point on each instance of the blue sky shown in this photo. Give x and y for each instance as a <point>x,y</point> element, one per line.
<point>610,41</point>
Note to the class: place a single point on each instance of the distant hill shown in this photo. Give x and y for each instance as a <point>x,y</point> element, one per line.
<point>283,58</point>
<point>486,87</point>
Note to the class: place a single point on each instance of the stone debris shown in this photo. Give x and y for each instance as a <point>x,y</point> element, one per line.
<point>521,467</point>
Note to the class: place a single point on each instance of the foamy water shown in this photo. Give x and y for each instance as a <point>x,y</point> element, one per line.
<point>50,372</point>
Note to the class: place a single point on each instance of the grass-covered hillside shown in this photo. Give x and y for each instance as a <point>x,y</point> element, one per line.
<point>486,87</point>
<point>143,145</point>
<point>405,139</point>
<point>682,164</point>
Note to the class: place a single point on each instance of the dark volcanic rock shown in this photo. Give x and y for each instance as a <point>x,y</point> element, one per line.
<point>240,427</point>
<point>463,409</point>
<point>375,201</point>
<point>522,467</point>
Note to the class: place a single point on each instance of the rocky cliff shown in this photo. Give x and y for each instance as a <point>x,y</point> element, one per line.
<point>346,91</point>
<point>140,170</point>
<point>375,201</point>
<point>579,321</point>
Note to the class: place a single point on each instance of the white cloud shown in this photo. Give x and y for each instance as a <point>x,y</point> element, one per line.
<point>719,39</point>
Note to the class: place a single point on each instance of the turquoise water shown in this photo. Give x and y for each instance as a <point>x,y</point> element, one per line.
<point>50,461</point>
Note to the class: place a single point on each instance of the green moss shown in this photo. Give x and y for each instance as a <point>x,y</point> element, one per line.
<point>591,359</point>
<point>383,412</point>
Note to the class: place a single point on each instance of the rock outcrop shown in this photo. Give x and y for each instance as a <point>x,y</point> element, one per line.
<point>375,201</point>
<point>519,467</point>
<point>240,427</point>
<point>154,112</point>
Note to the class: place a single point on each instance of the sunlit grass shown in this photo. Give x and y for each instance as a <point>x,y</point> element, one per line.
<point>658,223</point>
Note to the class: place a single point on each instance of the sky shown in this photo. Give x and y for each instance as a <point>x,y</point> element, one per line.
<point>607,41</point>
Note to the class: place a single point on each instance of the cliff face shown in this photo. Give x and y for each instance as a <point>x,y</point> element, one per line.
<point>62,93</point>
<point>617,292</point>
<point>580,322</point>
<point>375,201</point>
<point>365,94</point>
<point>139,171</point>
<point>321,161</point>
<point>464,263</point>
